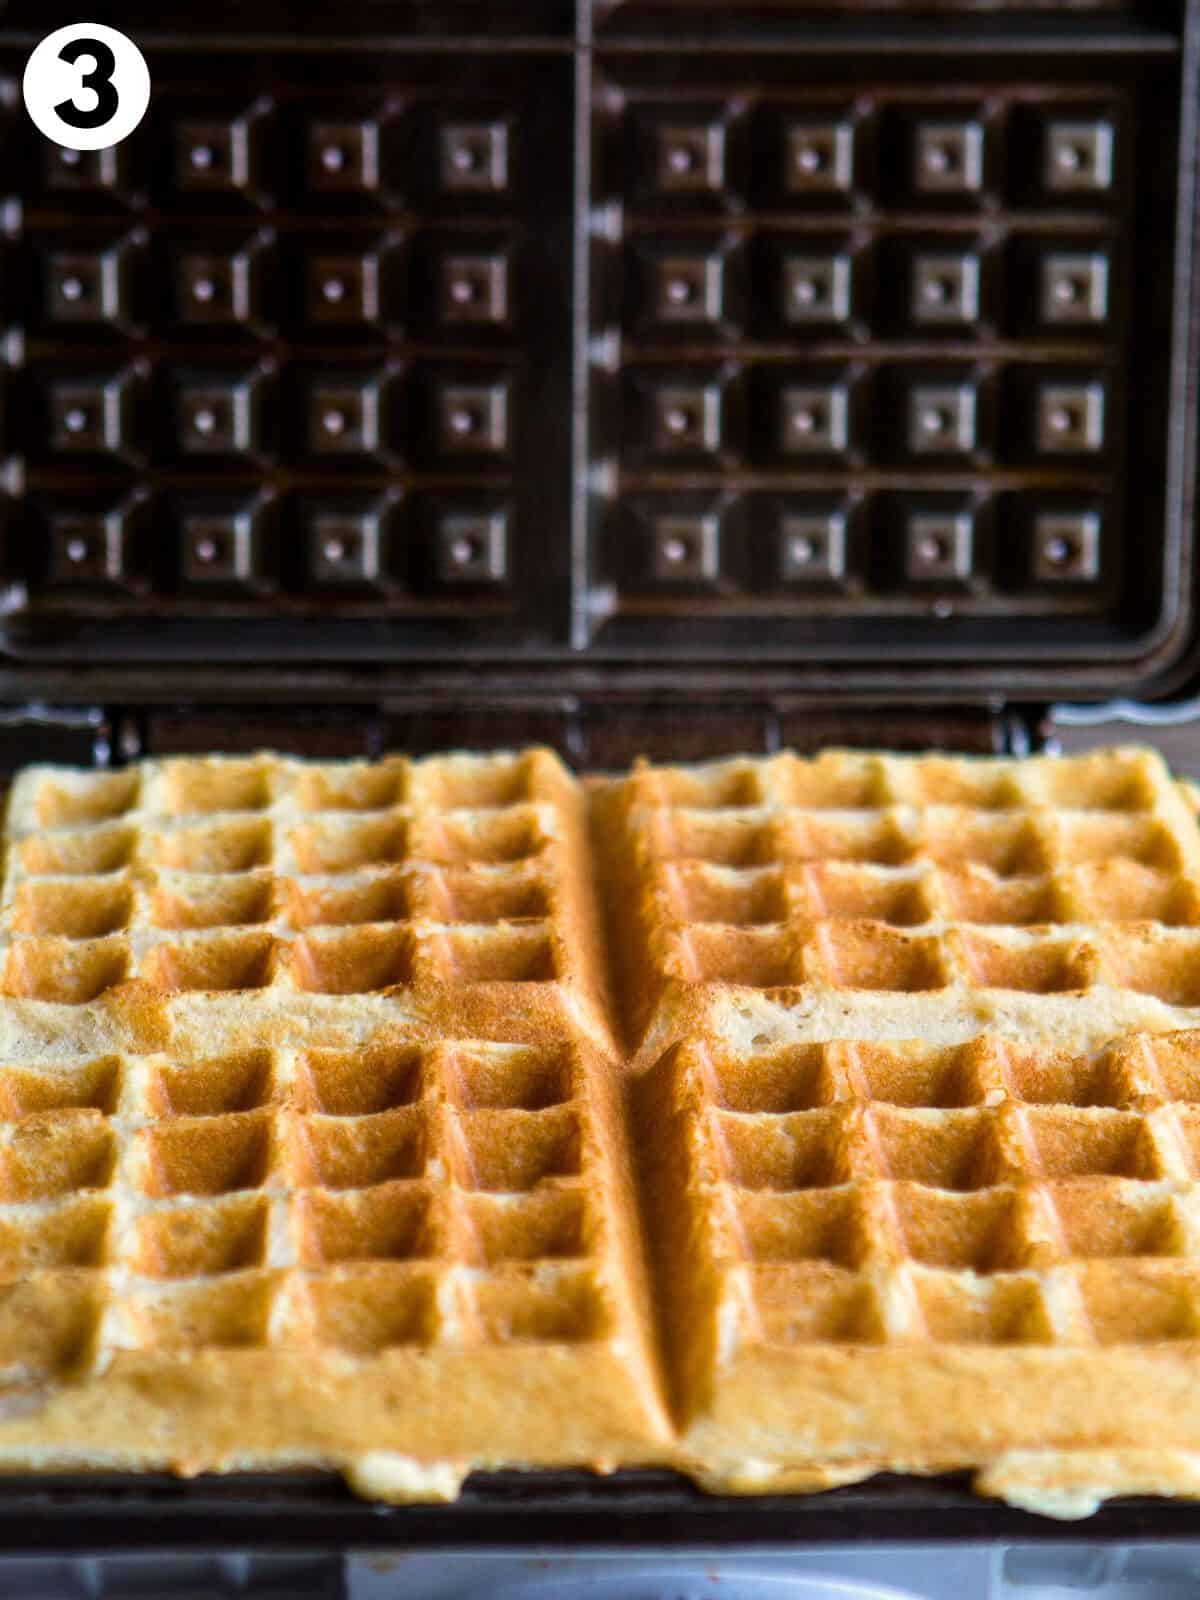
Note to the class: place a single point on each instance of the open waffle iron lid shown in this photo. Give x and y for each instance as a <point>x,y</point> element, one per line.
<point>822,355</point>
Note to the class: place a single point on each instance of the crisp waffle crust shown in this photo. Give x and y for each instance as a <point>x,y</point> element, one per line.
<point>328,1136</point>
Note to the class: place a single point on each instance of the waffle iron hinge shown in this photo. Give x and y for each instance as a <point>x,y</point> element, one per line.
<point>76,735</point>
<point>601,733</point>
<point>1024,730</point>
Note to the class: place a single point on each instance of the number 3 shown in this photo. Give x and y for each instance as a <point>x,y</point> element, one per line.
<point>98,80</point>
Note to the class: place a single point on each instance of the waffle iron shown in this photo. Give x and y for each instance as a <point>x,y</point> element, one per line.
<point>665,376</point>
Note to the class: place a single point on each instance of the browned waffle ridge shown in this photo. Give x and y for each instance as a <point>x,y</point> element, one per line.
<point>326,1139</point>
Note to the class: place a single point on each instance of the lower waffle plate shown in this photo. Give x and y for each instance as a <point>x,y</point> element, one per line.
<point>634,1510</point>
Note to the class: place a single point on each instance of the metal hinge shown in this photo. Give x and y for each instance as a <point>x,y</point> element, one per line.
<point>1023,731</point>
<point>74,735</point>
<point>601,734</point>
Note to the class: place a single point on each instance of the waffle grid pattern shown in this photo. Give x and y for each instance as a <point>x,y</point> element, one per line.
<point>457,1205</point>
<point>988,1193</point>
<point>909,875</point>
<point>436,1195</point>
<point>266,874</point>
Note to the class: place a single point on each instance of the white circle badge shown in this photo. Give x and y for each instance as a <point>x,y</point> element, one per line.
<point>86,86</point>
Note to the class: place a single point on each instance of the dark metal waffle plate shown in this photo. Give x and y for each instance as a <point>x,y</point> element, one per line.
<point>551,1509</point>
<point>536,336</point>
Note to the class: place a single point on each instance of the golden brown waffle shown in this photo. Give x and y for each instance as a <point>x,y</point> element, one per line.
<point>402,1260</point>
<point>946,881</point>
<point>272,1186</point>
<point>306,886</point>
<point>316,1146</point>
<point>882,1254</point>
